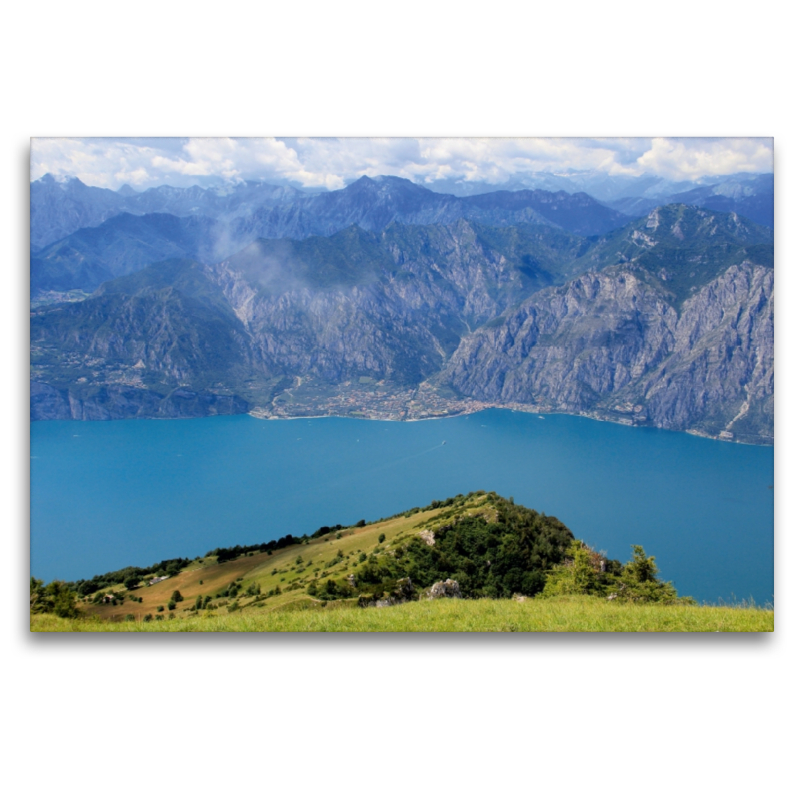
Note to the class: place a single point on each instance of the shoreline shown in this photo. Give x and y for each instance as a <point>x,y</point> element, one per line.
<point>536,411</point>
<point>451,415</point>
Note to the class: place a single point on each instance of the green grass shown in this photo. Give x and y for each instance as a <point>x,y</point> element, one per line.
<point>563,614</point>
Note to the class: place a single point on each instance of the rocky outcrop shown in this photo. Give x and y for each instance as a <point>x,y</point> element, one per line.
<point>446,588</point>
<point>428,537</point>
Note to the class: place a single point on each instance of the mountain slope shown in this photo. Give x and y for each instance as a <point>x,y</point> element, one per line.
<point>121,245</point>
<point>611,345</point>
<point>389,306</point>
<point>681,248</point>
<point>158,343</point>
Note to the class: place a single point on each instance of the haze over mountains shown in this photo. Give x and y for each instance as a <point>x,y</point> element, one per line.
<point>215,226</point>
<point>207,301</point>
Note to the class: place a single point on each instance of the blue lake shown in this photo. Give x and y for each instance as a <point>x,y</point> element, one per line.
<point>105,495</point>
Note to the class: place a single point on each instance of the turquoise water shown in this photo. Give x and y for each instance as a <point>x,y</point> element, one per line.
<point>105,495</point>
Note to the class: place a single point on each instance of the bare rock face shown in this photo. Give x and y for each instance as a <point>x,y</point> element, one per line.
<point>448,588</point>
<point>609,344</point>
<point>427,537</point>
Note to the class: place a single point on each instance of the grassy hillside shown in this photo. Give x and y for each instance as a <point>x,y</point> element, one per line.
<point>279,571</point>
<point>332,580</point>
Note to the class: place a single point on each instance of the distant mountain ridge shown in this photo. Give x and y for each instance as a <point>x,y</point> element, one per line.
<point>61,207</point>
<point>90,255</point>
<point>374,203</point>
<point>748,196</point>
<point>119,246</point>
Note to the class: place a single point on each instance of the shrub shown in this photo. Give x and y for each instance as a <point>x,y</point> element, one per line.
<point>160,608</point>
<point>148,617</point>
<point>171,605</point>
<point>129,618</point>
<point>177,597</point>
<point>382,538</point>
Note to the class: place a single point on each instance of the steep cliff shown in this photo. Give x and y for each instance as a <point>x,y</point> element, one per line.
<point>611,345</point>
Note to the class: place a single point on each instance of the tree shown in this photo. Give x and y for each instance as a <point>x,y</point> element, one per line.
<point>177,597</point>
<point>581,572</point>
<point>639,582</point>
<point>55,598</point>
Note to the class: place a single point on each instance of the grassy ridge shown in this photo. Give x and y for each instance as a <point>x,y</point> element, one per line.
<point>563,614</point>
<point>268,571</point>
<point>282,590</point>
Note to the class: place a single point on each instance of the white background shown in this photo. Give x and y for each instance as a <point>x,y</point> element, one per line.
<point>480,716</point>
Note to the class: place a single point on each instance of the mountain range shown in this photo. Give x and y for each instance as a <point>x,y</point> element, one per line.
<point>121,243</point>
<point>546,300</point>
<point>61,207</point>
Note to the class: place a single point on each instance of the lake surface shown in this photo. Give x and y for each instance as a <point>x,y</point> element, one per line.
<point>105,495</point>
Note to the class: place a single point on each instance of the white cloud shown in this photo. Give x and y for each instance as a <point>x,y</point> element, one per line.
<point>693,158</point>
<point>331,163</point>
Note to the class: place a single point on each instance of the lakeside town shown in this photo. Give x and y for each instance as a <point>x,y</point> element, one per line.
<point>366,399</point>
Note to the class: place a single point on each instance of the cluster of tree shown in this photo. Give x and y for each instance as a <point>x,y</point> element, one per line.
<point>522,552</point>
<point>587,572</point>
<point>230,553</point>
<point>488,559</point>
<point>130,576</point>
<point>326,529</point>
<point>57,598</point>
<point>224,554</point>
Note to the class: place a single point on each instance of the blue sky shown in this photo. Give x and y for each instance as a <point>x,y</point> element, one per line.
<point>331,163</point>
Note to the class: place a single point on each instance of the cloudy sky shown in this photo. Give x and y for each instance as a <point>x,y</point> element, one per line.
<point>333,163</point>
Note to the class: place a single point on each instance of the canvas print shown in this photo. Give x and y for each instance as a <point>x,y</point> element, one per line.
<point>412,384</point>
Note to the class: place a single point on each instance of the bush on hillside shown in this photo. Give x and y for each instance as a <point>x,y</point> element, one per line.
<point>586,572</point>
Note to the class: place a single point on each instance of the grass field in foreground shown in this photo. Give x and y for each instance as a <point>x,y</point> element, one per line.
<point>563,614</point>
